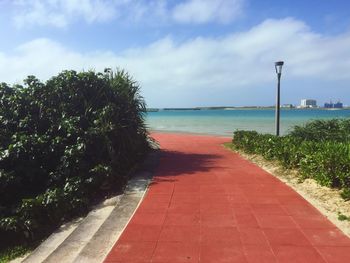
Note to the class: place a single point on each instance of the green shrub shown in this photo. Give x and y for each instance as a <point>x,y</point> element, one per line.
<point>342,217</point>
<point>324,130</point>
<point>345,194</point>
<point>287,151</point>
<point>320,150</point>
<point>246,140</point>
<point>62,144</point>
<point>327,162</point>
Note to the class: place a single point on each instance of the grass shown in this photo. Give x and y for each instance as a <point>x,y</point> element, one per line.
<point>343,217</point>
<point>229,145</point>
<point>14,252</point>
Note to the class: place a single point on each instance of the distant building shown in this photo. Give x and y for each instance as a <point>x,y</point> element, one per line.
<point>332,105</point>
<point>338,105</point>
<point>287,106</point>
<point>308,103</point>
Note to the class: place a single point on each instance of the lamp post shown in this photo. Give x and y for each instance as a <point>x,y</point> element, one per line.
<point>278,67</point>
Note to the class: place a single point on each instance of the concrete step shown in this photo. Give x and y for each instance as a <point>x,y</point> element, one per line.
<point>65,244</point>
<point>91,238</point>
<point>50,244</point>
<point>104,239</point>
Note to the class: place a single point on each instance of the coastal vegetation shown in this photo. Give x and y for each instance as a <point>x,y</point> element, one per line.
<point>64,144</point>
<point>320,150</point>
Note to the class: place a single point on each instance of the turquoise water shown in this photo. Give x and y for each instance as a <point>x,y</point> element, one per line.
<point>224,122</point>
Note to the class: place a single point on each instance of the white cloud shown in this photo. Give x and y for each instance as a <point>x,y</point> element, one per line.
<point>60,13</point>
<point>171,72</point>
<point>204,11</point>
<point>43,57</point>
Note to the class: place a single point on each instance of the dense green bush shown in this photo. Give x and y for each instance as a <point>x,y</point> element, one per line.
<point>328,163</point>
<point>64,143</point>
<point>324,130</point>
<point>320,150</point>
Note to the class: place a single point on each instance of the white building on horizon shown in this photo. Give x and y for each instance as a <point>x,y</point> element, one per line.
<point>308,103</point>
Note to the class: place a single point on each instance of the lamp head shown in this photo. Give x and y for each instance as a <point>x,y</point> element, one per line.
<point>278,66</point>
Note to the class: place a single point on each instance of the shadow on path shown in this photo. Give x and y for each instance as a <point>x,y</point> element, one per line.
<point>175,163</point>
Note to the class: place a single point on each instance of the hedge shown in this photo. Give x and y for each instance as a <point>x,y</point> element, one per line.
<point>320,150</point>
<point>63,144</point>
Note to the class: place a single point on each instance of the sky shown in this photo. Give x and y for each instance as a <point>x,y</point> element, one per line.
<point>186,53</point>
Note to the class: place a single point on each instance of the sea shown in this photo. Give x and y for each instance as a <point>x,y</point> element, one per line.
<point>225,122</point>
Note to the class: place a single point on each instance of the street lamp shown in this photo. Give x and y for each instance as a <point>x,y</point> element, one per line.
<point>278,67</point>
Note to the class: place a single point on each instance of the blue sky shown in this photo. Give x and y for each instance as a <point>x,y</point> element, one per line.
<point>189,52</point>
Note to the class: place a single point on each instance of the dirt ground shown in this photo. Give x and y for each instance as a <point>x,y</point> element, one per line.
<point>328,201</point>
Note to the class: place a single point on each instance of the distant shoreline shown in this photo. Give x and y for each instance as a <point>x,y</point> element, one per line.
<point>224,122</point>
<point>239,108</point>
<point>152,131</point>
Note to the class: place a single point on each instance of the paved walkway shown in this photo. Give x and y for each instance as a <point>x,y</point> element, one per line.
<point>207,204</point>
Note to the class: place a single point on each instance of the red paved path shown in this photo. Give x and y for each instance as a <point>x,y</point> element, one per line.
<point>207,204</point>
